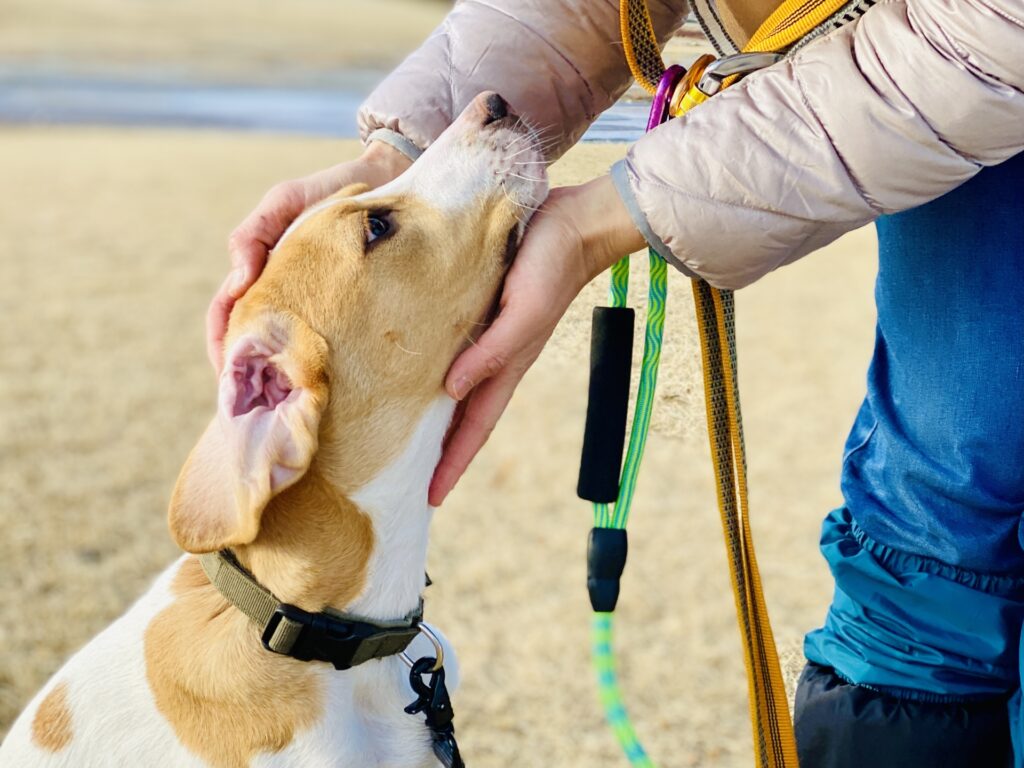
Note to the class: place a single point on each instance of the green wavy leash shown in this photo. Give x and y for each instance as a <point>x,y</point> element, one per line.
<point>616,515</point>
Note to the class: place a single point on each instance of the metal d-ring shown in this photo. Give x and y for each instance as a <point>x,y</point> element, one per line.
<point>429,633</point>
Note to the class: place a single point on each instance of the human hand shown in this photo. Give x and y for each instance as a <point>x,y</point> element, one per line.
<point>577,234</point>
<point>253,239</point>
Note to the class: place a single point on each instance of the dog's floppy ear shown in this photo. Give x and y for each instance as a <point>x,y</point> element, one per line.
<point>273,392</point>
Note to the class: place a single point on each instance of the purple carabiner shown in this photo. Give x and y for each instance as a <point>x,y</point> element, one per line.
<point>662,96</point>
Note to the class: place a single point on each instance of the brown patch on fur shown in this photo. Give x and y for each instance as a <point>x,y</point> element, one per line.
<point>51,727</point>
<point>314,546</point>
<point>210,676</point>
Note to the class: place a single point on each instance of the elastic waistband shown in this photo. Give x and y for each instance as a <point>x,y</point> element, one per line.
<point>895,561</point>
<point>915,627</point>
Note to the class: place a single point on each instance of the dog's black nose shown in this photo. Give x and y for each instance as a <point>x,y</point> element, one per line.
<point>497,108</point>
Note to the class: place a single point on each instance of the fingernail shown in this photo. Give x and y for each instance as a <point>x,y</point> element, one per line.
<point>237,281</point>
<point>461,387</point>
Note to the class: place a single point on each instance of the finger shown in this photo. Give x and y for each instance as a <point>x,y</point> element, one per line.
<point>259,232</point>
<point>482,412</point>
<point>217,323</point>
<point>248,258</point>
<point>453,426</point>
<point>516,326</point>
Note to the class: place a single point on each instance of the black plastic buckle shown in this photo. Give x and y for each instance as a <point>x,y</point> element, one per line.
<point>325,638</point>
<point>606,559</point>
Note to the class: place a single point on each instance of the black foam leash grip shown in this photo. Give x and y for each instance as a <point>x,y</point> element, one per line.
<point>611,359</point>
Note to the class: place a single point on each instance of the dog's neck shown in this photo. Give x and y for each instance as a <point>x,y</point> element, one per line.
<point>364,553</point>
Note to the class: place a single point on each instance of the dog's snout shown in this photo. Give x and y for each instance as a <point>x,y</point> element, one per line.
<point>496,107</point>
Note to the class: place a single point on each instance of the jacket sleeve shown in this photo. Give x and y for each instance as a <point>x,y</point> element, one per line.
<point>881,116</point>
<point>559,63</point>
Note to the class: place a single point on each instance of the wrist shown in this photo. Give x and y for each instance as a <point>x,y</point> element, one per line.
<point>384,162</point>
<point>605,228</point>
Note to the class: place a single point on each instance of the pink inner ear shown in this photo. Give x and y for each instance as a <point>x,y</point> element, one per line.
<point>258,383</point>
<point>268,423</point>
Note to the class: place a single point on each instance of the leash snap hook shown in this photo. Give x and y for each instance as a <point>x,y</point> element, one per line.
<point>433,701</point>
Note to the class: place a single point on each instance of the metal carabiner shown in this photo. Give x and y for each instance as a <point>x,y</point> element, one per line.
<point>708,75</point>
<point>717,72</point>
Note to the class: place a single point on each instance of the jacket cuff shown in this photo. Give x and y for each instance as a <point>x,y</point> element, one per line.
<point>396,140</point>
<point>623,185</point>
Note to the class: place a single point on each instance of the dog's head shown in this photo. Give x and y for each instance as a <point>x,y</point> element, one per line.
<point>347,335</point>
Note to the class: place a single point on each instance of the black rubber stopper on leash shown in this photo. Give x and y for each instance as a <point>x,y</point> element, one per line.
<point>611,359</point>
<point>606,557</point>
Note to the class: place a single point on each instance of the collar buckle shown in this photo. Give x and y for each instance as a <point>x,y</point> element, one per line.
<point>305,636</point>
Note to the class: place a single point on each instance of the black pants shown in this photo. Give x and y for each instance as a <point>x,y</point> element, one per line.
<point>839,725</point>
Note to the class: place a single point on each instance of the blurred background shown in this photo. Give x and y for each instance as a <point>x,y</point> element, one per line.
<point>134,135</point>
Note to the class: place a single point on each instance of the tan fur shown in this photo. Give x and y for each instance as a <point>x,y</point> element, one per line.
<point>415,308</point>
<point>204,660</point>
<point>51,727</point>
<point>377,326</point>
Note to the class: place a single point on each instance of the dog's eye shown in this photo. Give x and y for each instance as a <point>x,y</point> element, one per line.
<point>377,225</point>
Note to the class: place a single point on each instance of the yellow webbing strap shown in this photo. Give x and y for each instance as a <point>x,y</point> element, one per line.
<point>790,22</point>
<point>640,43</point>
<point>774,744</point>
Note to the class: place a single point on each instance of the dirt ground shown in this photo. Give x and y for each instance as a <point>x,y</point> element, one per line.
<point>111,243</point>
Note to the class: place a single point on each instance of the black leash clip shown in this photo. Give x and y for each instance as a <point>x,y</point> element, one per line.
<point>427,680</point>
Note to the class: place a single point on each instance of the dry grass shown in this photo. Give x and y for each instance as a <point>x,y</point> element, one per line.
<point>242,39</point>
<point>112,243</point>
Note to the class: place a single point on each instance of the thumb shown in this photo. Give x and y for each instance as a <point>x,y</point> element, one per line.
<point>496,349</point>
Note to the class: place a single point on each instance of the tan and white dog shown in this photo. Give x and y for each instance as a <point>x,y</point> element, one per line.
<point>314,472</point>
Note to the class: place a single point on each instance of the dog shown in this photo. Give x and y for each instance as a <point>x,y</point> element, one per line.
<point>312,482</point>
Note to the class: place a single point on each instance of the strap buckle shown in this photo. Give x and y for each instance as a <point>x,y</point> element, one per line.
<point>305,636</point>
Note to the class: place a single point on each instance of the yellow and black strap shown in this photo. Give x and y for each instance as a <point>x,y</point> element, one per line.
<point>774,744</point>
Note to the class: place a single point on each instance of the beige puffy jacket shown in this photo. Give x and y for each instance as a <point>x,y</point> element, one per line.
<point>886,113</point>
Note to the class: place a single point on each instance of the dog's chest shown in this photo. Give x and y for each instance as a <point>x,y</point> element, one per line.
<point>112,718</point>
<point>363,724</point>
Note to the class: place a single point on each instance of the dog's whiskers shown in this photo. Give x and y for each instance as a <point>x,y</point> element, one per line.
<point>471,340</point>
<point>521,150</point>
<point>407,351</point>
<point>524,178</point>
<point>529,209</point>
<point>467,323</point>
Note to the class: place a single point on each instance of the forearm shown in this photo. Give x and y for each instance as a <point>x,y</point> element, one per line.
<point>877,118</point>
<point>558,63</point>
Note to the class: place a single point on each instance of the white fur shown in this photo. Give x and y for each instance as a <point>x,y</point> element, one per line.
<point>474,164</point>
<point>396,502</point>
<point>116,723</point>
<point>113,718</point>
